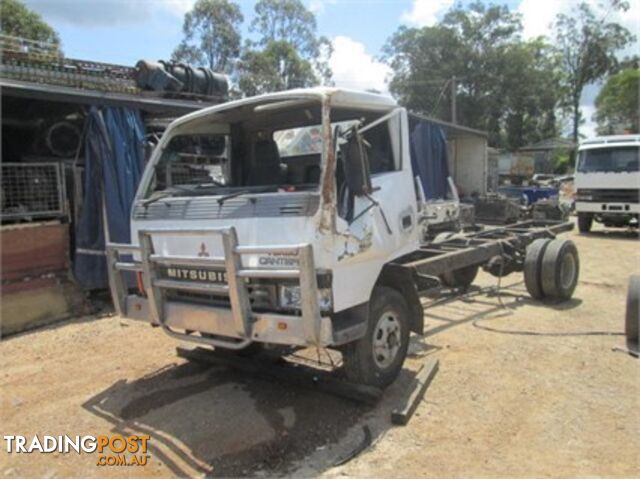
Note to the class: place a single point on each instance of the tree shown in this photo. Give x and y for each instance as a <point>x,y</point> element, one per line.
<point>618,103</point>
<point>275,68</point>
<point>587,46</point>
<point>530,87</point>
<point>502,84</point>
<point>211,35</point>
<point>286,21</point>
<point>288,53</point>
<point>17,20</point>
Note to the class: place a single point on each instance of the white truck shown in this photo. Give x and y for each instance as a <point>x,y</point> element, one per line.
<point>245,239</point>
<point>607,181</point>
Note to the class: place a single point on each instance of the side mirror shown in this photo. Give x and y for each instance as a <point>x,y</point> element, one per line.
<point>356,163</point>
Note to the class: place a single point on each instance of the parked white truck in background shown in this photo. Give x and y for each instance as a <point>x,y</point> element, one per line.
<point>294,219</point>
<point>607,181</point>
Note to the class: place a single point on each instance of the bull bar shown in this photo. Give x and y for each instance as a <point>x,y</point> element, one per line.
<point>234,327</point>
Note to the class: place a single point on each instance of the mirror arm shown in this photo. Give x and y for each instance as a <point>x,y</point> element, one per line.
<point>359,215</point>
<point>374,203</point>
<point>384,218</point>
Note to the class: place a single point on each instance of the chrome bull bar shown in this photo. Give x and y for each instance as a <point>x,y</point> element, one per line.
<point>236,288</point>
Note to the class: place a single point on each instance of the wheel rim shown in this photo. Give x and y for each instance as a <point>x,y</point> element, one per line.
<point>386,339</point>
<point>567,271</point>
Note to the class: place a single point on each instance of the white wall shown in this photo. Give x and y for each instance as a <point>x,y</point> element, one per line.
<point>468,159</point>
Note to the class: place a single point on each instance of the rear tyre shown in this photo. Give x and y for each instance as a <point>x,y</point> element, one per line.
<point>584,222</point>
<point>377,357</point>
<point>460,278</point>
<point>632,319</point>
<point>533,266</point>
<point>560,269</point>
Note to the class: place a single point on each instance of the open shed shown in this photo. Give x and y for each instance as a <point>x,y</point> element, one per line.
<point>48,105</point>
<point>467,155</point>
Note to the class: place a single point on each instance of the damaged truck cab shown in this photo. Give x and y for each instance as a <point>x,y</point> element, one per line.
<point>281,220</point>
<point>271,220</point>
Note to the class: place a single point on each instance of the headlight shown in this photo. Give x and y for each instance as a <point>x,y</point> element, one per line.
<point>290,297</point>
<point>580,197</point>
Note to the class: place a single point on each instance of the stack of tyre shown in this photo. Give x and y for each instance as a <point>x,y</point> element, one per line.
<point>551,269</point>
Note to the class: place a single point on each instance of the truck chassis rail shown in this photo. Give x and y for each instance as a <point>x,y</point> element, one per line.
<point>478,248</point>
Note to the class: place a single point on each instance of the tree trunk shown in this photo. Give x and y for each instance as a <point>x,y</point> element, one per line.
<point>576,118</point>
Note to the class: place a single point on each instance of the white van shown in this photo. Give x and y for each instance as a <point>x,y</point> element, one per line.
<point>607,181</point>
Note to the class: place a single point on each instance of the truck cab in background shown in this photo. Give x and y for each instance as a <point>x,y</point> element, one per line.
<point>607,181</point>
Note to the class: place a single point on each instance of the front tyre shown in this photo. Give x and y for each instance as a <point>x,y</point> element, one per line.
<point>584,222</point>
<point>377,357</point>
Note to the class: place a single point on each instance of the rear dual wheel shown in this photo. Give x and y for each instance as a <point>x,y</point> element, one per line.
<point>456,278</point>
<point>460,278</point>
<point>551,269</point>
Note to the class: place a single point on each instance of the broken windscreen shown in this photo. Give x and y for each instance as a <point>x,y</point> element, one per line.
<point>249,149</point>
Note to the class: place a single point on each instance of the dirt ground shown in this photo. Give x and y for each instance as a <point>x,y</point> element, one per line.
<point>525,389</point>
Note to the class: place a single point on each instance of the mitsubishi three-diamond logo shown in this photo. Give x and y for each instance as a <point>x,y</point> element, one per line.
<point>203,253</point>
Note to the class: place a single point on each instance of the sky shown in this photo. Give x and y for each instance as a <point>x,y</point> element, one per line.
<point>125,31</point>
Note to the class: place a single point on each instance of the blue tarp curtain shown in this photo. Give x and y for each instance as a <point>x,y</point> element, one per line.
<point>429,158</point>
<point>114,160</point>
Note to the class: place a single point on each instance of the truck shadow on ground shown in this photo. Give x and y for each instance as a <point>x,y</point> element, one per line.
<point>219,422</point>
<point>224,423</point>
<point>454,308</point>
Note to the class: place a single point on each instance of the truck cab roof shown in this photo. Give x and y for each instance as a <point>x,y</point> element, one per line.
<point>338,97</point>
<point>609,141</point>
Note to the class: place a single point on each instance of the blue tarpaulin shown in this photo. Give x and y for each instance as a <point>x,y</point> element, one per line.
<point>429,158</point>
<point>114,160</point>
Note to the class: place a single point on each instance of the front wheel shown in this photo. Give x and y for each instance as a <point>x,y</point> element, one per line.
<point>377,357</point>
<point>584,222</point>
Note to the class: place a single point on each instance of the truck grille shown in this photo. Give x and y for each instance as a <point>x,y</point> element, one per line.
<point>631,195</point>
<point>208,208</point>
<point>261,297</point>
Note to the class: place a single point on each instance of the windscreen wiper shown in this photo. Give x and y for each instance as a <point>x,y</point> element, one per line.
<point>163,194</point>
<point>208,184</point>
<point>153,199</point>
<point>235,194</point>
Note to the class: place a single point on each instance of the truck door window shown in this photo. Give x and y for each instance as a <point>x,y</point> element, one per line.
<point>380,149</point>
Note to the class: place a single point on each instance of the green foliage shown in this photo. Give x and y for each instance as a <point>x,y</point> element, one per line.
<point>18,21</point>
<point>286,21</point>
<point>618,103</point>
<point>503,85</point>
<point>561,161</point>
<point>587,46</point>
<point>276,67</point>
<point>211,35</point>
<point>288,54</point>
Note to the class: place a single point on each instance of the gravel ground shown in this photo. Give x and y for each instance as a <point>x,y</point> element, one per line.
<point>524,389</point>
